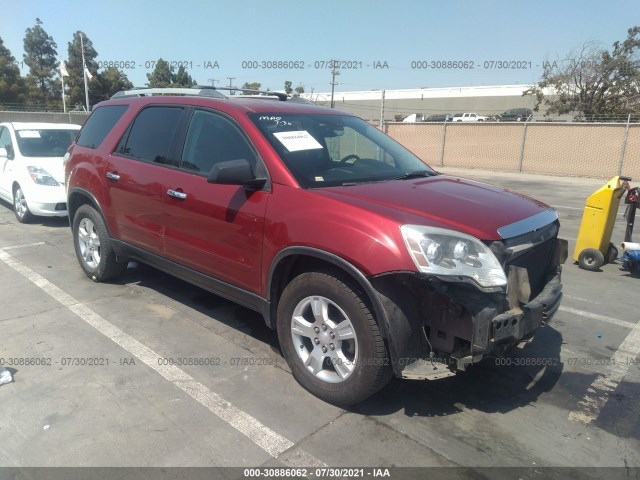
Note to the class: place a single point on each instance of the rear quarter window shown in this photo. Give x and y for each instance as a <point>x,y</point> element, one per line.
<point>99,124</point>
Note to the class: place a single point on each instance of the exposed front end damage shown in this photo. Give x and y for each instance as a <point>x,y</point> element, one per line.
<point>437,326</point>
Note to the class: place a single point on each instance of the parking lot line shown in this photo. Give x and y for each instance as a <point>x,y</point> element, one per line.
<point>595,316</point>
<point>13,247</point>
<point>271,442</point>
<point>598,393</point>
<point>603,386</point>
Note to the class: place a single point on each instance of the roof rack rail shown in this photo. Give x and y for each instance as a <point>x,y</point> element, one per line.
<point>266,93</point>
<point>196,90</point>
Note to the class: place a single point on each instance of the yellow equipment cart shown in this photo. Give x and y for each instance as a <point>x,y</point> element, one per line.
<point>594,247</point>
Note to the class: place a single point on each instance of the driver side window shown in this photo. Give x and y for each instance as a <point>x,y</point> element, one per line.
<point>213,139</point>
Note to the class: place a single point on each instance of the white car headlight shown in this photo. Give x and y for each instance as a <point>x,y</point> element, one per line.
<point>42,177</point>
<point>448,253</point>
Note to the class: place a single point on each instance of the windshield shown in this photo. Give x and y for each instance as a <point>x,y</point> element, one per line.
<point>45,142</point>
<point>330,150</point>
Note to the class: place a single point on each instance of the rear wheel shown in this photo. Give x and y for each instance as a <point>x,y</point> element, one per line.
<point>591,259</point>
<point>330,338</point>
<point>93,246</point>
<point>612,253</point>
<point>20,207</point>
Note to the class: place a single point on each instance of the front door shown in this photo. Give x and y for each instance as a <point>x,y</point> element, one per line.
<point>215,229</point>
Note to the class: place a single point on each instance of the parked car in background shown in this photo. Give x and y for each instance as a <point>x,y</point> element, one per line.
<point>469,117</point>
<point>366,261</point>
<point>414,118</point>
<point>442,117</point>
<point>515,115</point>
<point>31,169</point>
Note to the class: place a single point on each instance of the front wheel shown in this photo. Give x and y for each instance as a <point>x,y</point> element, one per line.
<point>20,208</point>
<point>330,339</point>
<point>93,246</point>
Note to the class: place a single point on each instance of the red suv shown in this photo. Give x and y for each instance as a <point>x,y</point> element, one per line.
<point>367,262</point>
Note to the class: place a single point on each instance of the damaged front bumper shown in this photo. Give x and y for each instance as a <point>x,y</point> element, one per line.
<point>437,328</point>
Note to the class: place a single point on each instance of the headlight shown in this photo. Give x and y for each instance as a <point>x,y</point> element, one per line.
<point>42,177</point>
<point>447,253</point>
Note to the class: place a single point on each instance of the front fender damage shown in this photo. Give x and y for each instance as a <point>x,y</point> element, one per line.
<point>437,328</point>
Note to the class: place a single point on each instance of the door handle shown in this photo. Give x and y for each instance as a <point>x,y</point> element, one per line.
<point>113,176</point>
<point>176,194</point>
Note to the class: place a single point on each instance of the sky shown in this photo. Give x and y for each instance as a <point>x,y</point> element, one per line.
<point>378,44</point>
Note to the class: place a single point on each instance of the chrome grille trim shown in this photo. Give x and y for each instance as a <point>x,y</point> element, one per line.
<point>529,224</point>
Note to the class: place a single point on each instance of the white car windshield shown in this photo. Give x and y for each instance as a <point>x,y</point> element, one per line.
<point>44,142</point>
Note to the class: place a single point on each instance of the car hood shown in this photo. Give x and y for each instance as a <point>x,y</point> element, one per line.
<point>53,165</point>
<point>444,201</point>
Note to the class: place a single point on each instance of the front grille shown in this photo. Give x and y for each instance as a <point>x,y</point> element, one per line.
<point>532,251</point>
<point>537,262</point>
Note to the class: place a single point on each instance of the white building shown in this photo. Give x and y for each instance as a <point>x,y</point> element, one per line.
<point>484,100</point>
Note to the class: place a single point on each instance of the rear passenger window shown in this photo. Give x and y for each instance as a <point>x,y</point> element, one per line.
<point>99,125</point>
<point>212,139</point>
<point>152,135</point>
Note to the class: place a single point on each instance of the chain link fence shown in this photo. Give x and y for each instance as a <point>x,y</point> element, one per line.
<point>597,150</point>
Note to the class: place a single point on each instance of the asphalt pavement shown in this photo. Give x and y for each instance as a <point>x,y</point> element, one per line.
<point>149,371</point>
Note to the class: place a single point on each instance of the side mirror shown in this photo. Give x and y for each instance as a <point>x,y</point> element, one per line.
<point>235,172</point>
<point>4,153</point>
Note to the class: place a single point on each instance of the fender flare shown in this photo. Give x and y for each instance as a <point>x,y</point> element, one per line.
<point>362,281</point>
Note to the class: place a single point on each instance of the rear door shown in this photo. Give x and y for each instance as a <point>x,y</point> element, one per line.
<point>137,171</point>
<point>213,228</point>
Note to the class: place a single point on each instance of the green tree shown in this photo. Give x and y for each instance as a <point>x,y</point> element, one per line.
<point>250,86</point>
<point>13,88</point>
<point>299,90</point>
<point>75,81</point>
<point>40,56</point>
<point>183,79</point>
<point>162,75</point>
<point>287,87</point>
<point>593,83</point>
<point>111,81</point>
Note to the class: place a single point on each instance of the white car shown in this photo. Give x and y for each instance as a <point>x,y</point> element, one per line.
<point>31,169</point>
<point>469,117</point>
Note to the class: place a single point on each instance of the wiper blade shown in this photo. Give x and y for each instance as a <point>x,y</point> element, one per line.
<point>404,176</point>
<point>416,174</point>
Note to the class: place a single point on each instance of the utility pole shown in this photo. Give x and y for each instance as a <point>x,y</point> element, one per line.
<point>213,81</point>
<point>84,73</point>
<point>231,79</point>
<point>334,72</point>
<point>382,112</point>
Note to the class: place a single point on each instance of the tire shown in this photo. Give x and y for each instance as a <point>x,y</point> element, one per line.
<point>591,259</point>
<point>612,253</point>
<point>93,246</point>
<point>20,207</point>
<point>309,341</point>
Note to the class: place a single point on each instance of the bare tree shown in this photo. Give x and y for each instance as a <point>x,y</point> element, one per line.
<point>591,82</point>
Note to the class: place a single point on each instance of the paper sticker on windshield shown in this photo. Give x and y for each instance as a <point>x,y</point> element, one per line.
<point>28,133</point>
<point>298,140</point>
